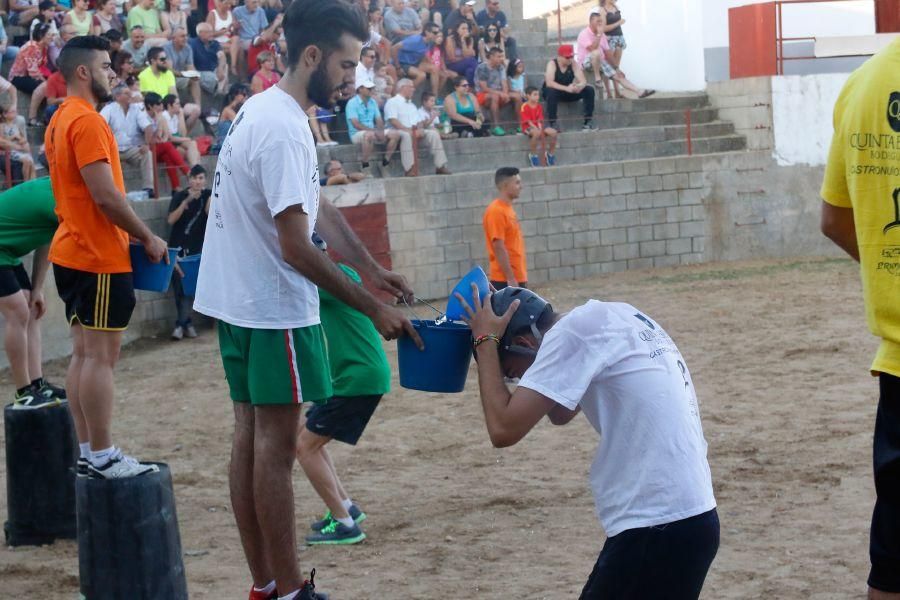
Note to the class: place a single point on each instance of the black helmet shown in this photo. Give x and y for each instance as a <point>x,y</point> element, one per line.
<point>531,308</point>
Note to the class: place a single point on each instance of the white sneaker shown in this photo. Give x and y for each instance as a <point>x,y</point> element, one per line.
<point>121,466</point>
<point>178,333</point>
<point>190,332</point>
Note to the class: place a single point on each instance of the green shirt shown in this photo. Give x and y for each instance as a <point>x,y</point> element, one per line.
<point>359,366</point>
<point>147,19</point>
<point>27,220</point>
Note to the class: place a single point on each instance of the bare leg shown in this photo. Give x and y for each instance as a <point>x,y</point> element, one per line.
<point>14,309</point>
<point>196,94</point>
<point>620,79</point>
<point>337,480</point>
<point>240,480</point>
<point>274,452</point>
<point>879,595</point>
<point>191,114</point>
<point>393,140</point>
<point>37,97</point>
<point>368,145</point>
<point>312,457</point>
<point>495,110</point>
<point>552,135</point>
<point>73,379</point>
<point>533,137</point>
<point>96,386</point>
<point>324,127</point>
<point>35,370</point>
<point>192,153</point>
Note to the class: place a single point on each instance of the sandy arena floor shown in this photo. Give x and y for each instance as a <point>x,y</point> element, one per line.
<point>779,353</point>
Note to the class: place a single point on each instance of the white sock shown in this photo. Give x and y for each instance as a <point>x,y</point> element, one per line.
<point>290,596</point>
<point>268,589</point>
<point>346,503</point>
<point>101,457</point>
<point>84,450</point>
<point>346,521</point>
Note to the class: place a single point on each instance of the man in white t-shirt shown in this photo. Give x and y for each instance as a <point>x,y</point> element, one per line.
<point>259,278</point>
<point>650,477</point>
<point>402,115</point>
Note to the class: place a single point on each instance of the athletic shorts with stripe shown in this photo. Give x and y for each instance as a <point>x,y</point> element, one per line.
<point>275,366</point>
<point>102,301</point>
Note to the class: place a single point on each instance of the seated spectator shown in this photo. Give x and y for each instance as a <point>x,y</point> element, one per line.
<point>435,55</point>
<point>272,8</point>
<point>366,127</point>
<point>335,175</point>
<point>384,86</point>
<point>123,65</point>
<point>532,122</point>
<point>463,110</point>
<point>173,18</point>
<point>56,94</point>
<point>176,131</point>
<point>21,12</point>
<point>252,22</point>
<point>114,37</point>
<point>365,68</point>
<point>492,15</point>
<point>106,18</point>
<point>490,39</point>
<point>421,8</point>
<point>10,90</point>
<point>564,82</point>
<point>611,22</point>
<point>161,141</point>
<point>464,14</point>
<point>133,130</point>
<point>181,57</point>
<point>16,142</point>
<point>30,69</point>
<point>411,56</point>
<point>137,46</point>
<point>234,100</point>
<point>429,114</point>
<point>79,17</point>
<point>145,15</point>
<point>402,116</point>
<point>590,52</point>
<point>441,9</point>
<point>493,88</point>
<point>266,76</point>
<point>66,33</point>
<point>378,41</point>
<point>210,60</point>
<point>264,42</point>
<point>319,118</point>
<point>400,21</point>
<point>49,15</point>
<point>188,214</point>
<point>159,79</point>
<point>221,19</point>
<point>460,52</point>
<point>516,75</point>
<point>7,52</point>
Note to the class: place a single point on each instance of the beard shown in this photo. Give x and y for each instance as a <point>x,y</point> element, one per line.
<point>162,68</point>
<point>321,90</point>
<point>102,94</point>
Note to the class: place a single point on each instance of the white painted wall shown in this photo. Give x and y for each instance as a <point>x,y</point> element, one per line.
<point>854,17</point>
<point>536,8</point>
<point>802,107</point>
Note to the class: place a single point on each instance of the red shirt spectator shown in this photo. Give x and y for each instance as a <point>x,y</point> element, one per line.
<point>532,116</point>
<point>56,88</point>
<point>258,46</point>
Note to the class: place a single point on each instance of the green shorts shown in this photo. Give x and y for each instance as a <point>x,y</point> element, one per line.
<point>275,366</point>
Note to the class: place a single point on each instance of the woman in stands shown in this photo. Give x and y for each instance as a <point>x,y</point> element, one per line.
<point>266,76</point>
<point>80,18</point>
<point>611,24</point>
<point>106,18</point>
<point>464,112</point>
<point>460,52</point>
<point>234,100</point>
<point>172,18</point>
<point>441,9</point>
<point>174,129</point>
<point>490,39</point>
<point>123,65</point>
<point>225,30</point>
<point>30,69</point>
<point>165,150</point>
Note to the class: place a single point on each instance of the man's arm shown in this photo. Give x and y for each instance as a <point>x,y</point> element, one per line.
<point>838,225</point>
<point>39,266</point>
<point>549,78</point>
<point>396,124</point>
<point>359,126</point>
<point>503,258</point>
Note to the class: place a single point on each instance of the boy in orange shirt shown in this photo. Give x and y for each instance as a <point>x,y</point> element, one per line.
<point>505,243</point>
<point>532,118</point>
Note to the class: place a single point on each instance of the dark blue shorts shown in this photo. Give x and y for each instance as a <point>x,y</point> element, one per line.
<point>884,538</point>
<point>653,563</point>
<point>343,419</point>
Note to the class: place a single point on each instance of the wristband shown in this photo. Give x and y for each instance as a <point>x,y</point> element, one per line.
<point>483,338</point>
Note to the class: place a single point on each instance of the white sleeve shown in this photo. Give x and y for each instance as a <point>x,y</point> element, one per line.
<point>564,368</point>
<point>143,120</point>
<point>390,110</point>
<point>282,169</point>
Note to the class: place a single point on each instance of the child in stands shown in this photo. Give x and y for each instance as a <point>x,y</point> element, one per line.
<point>16,142</point>
<point>532,119</point>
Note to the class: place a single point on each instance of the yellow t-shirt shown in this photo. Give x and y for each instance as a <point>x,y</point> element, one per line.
<point>863,173</point>
<point>162,85</point>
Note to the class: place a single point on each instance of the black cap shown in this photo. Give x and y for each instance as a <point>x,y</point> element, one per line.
<point>529,312</point>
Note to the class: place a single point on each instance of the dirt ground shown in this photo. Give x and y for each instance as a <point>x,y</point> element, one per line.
<point>779,354</point>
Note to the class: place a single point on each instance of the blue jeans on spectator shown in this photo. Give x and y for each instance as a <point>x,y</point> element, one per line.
<point>183,304</point>
<point>10,54</point>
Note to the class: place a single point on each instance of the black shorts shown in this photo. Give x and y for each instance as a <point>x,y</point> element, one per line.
<point>13,279</point>
<point>884,537</point>
<point>101,301</point>
<point>343,419</point>
<point>664,561</point>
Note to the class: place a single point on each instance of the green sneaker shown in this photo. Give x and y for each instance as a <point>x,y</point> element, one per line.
<point>498,131</point>
<point>336,533</point>
<point>355,512</point>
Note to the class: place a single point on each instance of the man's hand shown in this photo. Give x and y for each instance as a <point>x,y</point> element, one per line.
<point>394,284</point>
<point>391,324</point>
<point>156,249</point>
<point>36,304</point>
<point>482,320</point>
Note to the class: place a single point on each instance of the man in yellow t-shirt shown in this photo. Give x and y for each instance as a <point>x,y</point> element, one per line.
<point>157,77</point>
<point>861,214</point>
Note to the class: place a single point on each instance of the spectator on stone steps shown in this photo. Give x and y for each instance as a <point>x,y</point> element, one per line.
<point>273,8</point>
<point>10,90</point>
<point>490,39</point>
<point>136,45</point>
<point>378,41</point>
<point>365,68</point>
<point>181,60</point>
<point>266,76</point>
<point>591,52</point>
<point>252,22</point>
<point>115,40</point>
<point>145,15</point>
<point>129,124</point>
<point>161,142</point>
<point>335,174</point>
<point>7,52</point>
<point>441,9</point>
<point>384,86</point>
<point>66,33</point>
<point>221,19</point>
<point>17,142</point>
<point>441,73</point>
<point>564,82</point>
<point>400,21</point>
<point>492,15</point>
<point>123,65</point>
<point>411,55</point>
<point>56,94</point>
<point>464,14</point>
<point>493,89</point>
<point>234,100</point>
<point>532,125</point>
<point>106,18</point>
<point>464,112</point>
<point>402,115</point>
<point>173,18</point>
<point>461,52</point>
<point>21,12</point>
<point>267,41</point>
<point>159,79</point>
<point>209,59</point>
<point>173,117</point>
<point>79,17</point>
<point>48,14</point>
<point>30,68</point>
<point>366,127</point>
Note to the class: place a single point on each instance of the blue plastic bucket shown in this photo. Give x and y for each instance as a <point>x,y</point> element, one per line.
<point>148,276</point>
<point>190,266</point>
<point>444,364</point>
<point>477,276</point>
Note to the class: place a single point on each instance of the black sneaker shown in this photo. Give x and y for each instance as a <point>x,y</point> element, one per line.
<point>336,534</point>
<point>308,591</point>
<point>31,399</point>
<point>48,390</point>
<point>588,126</point>
<point>82,467</point>
<point>355,512</point>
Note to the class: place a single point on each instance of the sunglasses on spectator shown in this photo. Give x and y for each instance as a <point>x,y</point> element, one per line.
<point>464,85</point>
<point>162,58</point>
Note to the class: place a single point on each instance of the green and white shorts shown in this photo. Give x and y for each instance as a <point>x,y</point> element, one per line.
<point>275,366</point>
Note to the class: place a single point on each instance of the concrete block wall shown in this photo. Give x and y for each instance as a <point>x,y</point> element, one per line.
<point>747,103</point>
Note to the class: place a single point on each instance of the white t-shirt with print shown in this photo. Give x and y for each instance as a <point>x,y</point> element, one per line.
<point>633,386</point>
<point>267,164</point>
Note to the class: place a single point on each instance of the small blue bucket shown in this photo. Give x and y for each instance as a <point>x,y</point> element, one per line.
<point>455,311</point>
<point>444,364</point>
<point>148,276</point>
<point>190,266</point>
